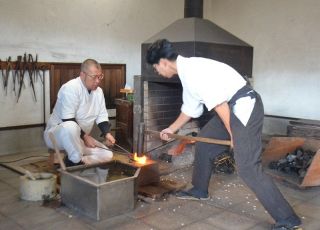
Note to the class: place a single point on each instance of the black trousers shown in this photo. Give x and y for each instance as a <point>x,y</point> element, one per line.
<point>247,154</point>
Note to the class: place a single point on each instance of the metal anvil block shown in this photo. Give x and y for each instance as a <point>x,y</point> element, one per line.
<point>149,172</point>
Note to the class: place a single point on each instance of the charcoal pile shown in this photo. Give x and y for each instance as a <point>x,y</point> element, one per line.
<point>295,163</point>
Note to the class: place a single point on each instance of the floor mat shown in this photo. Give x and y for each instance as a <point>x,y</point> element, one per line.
<point>33,161</point>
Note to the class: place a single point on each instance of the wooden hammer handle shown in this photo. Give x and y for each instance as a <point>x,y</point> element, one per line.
<point>54,143</point>
<point>190,138</point>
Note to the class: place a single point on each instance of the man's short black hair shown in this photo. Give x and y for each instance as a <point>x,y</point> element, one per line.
<point>161,48</point>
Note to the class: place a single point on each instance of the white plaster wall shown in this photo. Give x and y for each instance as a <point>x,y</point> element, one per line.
<point>26,109</point>
<point>286,41</point>
<point>283,32</point>
<point>110,31</point>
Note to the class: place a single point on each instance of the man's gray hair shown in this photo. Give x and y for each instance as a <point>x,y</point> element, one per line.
<point>89,62</point>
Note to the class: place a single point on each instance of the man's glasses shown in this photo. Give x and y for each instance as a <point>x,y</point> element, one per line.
<point>96,77</point>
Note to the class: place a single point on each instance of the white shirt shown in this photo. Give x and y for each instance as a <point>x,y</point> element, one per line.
<point>74,101</point>
<point>207,82</point>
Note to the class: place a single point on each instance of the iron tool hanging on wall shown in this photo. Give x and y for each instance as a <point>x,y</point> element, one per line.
<point>15,74</point>
<point>17,69</point>
<point>21,75</point>
<point>31,72</point>
<point>6,73</point>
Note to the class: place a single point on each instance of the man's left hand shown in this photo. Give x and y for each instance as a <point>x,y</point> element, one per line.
<point>89,141</point>
<point>110,140</point>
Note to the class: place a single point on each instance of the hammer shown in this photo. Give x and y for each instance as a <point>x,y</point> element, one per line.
<point>57,152</point>
<point>190,138</point>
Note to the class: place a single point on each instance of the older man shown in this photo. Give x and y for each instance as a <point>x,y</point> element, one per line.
<point>80,103</point>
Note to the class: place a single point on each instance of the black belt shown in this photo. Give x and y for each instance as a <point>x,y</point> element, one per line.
<point>245,91</point>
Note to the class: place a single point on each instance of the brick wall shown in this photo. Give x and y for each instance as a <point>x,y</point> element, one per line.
<point>162,105</point>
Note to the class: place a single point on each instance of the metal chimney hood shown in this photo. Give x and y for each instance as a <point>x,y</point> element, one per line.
<point>195,36</point>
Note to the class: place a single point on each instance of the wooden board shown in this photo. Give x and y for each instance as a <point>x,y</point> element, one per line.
<point>304,128</point>
<point>33,161</point>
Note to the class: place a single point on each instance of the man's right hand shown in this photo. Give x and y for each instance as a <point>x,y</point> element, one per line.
<point>89,141</point>
<point>175,126</point>
<point>164,134</point>
<point>110,140</point>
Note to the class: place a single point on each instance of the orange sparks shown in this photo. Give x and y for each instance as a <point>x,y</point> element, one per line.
<point>141,160</point>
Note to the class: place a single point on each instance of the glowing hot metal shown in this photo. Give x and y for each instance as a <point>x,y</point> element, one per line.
<point>141,160</point>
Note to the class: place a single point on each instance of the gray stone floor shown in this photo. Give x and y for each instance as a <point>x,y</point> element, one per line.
<point>232,206</point>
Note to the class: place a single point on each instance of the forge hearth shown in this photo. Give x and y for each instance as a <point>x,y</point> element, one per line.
<point>149,172</point>
<point>157,105</point>
<point>149,182</point>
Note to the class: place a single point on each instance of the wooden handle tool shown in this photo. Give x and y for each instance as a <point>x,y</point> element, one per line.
<point>54,143</point>
<point>190,138</point>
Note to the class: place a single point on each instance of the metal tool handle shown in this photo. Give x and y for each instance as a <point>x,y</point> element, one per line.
<point>99,145</point>
<point>123,149</point>
<point>190,138</point>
